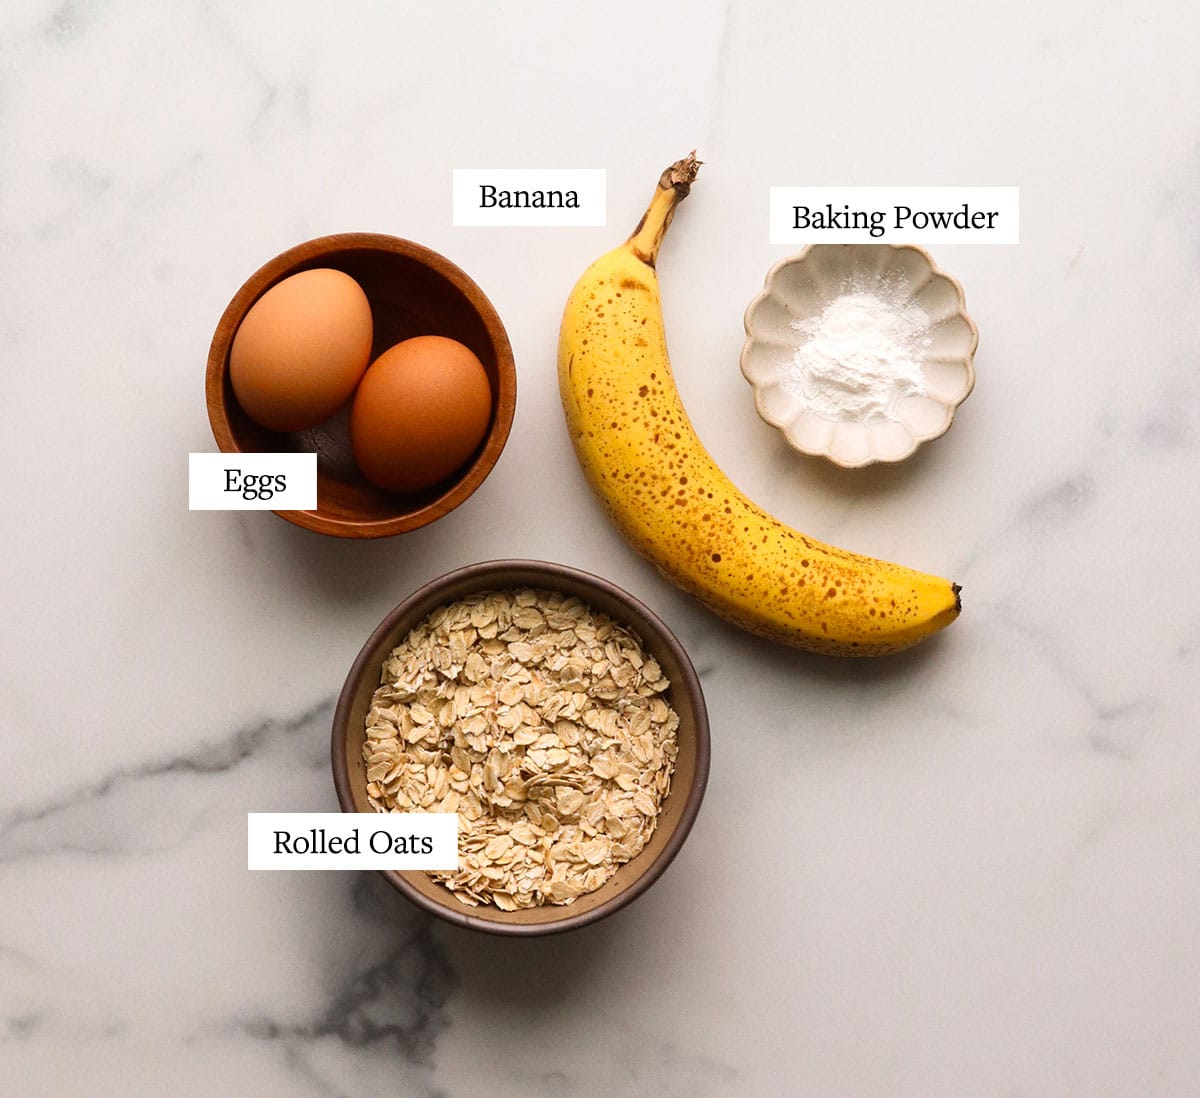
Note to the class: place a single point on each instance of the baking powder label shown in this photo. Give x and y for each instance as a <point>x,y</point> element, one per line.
<point>895,215</point>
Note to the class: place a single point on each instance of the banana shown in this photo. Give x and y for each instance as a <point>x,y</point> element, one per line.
<point>670,500</point>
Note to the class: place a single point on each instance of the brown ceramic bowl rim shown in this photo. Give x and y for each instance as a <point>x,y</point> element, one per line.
<point>273,271</point>
<point>427,598</point>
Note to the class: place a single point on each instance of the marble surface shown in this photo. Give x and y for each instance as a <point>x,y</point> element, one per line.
<point>973,869</point>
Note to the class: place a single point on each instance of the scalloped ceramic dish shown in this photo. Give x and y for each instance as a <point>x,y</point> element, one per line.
<point>798,289</point>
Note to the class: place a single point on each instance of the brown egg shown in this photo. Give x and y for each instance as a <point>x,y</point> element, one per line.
<point>301,349</point>
<point>421,410</point>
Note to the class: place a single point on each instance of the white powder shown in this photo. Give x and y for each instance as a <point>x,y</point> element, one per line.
<point>861,355</point>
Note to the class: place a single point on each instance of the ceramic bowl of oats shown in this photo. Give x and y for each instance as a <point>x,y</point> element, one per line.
<point>555,714</point>
<point>859,353</point>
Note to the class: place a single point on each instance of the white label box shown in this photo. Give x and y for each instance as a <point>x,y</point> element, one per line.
<point>351,840</point>
<point>895,215</point>
<point>252,482</point>
<point>529,196</point>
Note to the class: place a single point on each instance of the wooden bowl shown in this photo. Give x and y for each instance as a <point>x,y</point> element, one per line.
<point>685,695</point>
<point>412,291</point>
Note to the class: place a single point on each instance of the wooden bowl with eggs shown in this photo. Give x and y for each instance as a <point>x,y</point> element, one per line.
<point>411,292</point>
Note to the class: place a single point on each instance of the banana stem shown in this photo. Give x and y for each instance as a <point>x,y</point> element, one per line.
<point>673,187</point>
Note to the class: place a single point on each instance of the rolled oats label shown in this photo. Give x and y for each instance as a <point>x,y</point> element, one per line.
<point>348,840</point>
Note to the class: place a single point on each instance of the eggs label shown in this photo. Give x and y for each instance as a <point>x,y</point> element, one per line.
<point>352,840</point>
<point>895,215</point>
<point>529,196</point>
<point>252,482</point>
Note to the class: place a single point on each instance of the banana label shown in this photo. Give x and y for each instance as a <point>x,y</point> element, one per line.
<point>529,196</point>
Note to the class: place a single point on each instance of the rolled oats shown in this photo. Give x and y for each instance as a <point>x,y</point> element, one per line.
<point>543,724</point>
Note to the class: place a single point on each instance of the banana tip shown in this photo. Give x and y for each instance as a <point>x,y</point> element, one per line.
<point>957,588</point>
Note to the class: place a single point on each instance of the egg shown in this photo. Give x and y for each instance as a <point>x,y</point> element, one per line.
<point>301,349</point>
<point>420,411</point>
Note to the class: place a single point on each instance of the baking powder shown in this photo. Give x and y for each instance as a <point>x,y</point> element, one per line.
<point>863,353</point>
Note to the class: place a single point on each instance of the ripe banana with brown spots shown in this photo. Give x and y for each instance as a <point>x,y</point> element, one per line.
<point>675,506</point>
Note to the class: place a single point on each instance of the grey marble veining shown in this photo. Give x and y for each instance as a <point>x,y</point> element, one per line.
<point>971,869</point>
